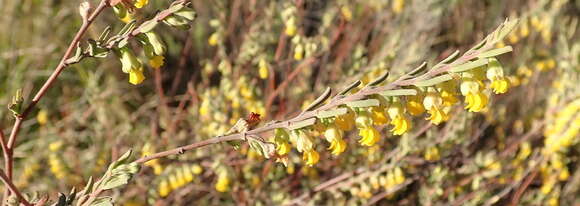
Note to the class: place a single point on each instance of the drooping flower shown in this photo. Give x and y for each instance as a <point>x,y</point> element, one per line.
<point>334,136</point>
<point>474,97</point>
<point>378,115</point>
<point>299,52</point>
<point>154,49</point>
<point>433,103</point>
<point>141,3</point>
<point>310,157</point>
<point>499,84</point>
<point>223,182</point>
<point>398,119</point>
<point>345,122</point>
<point>448,90</point>
<point>291,27</point>
<point>369,135</point>
<point>136,76</point>
<point>414,103</point>
<point>263,69</point>
<point>281,141</point>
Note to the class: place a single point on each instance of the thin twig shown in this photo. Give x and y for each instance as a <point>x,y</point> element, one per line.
<point>49,82</point>
<point>13,188</point>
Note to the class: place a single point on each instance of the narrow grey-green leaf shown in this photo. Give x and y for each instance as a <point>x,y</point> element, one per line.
<point>350,87</point>
<point>399,92</point>
<point>434,81</point>
<point>506,28</point>
<point>364,103</point>
<point>469,65</point>
<point>302,124</point>
<point>105,34</point>
<point>495,52</point>
<point>419,69</point>
<point>323,97</point>
<point>331,113</point>
<point>379,80</point>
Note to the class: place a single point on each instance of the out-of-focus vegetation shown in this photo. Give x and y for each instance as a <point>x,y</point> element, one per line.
<point>503,133</point>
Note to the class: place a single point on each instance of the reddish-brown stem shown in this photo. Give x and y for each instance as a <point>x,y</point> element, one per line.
<point>13,189</point>
<point>49,82</point>
<point>523,187</point>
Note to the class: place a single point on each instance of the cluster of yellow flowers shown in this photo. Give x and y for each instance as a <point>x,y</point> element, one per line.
<point>560,134</point>
<point>58,167</point>
<point>227,104</point>
<point>223,181</point>
<point>434,100</point>
<point>387,181</point>
<point>540,24</point>
<point>177,177</point>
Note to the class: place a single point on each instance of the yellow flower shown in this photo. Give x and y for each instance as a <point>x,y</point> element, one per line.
<point>123,13</point>
<point>311,157</point>
<point>223,183</point>
<point>499,83</point>
<point>263,69</point>
<point>213,39</point>
<point>414,103</point>
<point>398,6</point>
<point>448,92</point>
<point>163,189</point>
<point>299,52</point>
<point>475,99</point>
<point>564,174</point>
<point>304,142</point>
<point>398,120</point>
<point>345,122</point>
<point>196,169</point>
<point>157,61</point>
<point>433,103</point>
<point>432,154</point>
<point>141,3</point>
<point>369,136</point>
<point>399,176</point>
<point>378,115</point>
<point>290,26</point>
<point>281,141</point>
<point>42,117</point>
<point>334,136</point>
<point>136,76</point>
<point>346,13</point>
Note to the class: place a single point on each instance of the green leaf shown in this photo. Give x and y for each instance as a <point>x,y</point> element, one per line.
<point>302,124</point>
<point>77,56</point>
<point>105,34</point>
<point>364,103</point>
<point>265,149</point>
<point>127,28</point>
<point>469,65</point>
<point>331,113</point>
<point>103,201</point>
<point>120,175</point>
<point>95,50</point>
<point>505,29</point>
<point>16,105</point>
<point>399,92</point>
<point>147,26</point>
<point>434,81</point>
<point>495,52</point>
